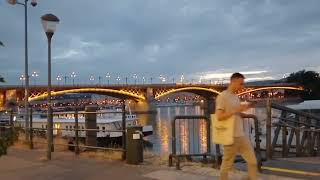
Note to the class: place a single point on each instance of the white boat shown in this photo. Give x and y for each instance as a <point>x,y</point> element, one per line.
<point>64,123</point>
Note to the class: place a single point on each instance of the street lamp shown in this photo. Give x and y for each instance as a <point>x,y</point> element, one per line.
<point>108,76</point>
<point>26,73</point>
<point>73,76</point>
<point>135,77</point>
<point>22,79</point>
<point>59,78</point>
<point>49,23</point>
<point>182,78</point>
<point>35,75</point>
<point>91,78</point>
<point>162,78</point>
<point>118,79</point>
<point>143,80</point>
<point>200,80</point>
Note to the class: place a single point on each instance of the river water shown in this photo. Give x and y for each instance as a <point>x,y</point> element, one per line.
<point>191,134</point>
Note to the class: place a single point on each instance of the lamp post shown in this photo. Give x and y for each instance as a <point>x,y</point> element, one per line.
<point>91,78</point>
<point>26,73</point>
<point>135,77</point>
<point>22,79</point>
<point>143,80</point>
<point>182,79</point>
<point>200,80</point>
<point>35,75</point>
<point>49,23</point>
<point>73,76</point>
<point>59,78</point>
<point>108,76</point>
<point>65,77</point>
<point>99,78</point>
<point>118,79</point>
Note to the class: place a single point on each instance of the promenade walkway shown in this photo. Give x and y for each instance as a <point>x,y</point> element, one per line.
<point>23,164</point>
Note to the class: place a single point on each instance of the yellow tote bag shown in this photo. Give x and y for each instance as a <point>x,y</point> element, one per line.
<point>222,131</point>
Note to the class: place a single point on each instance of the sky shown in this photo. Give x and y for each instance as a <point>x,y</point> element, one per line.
<point>201,40</point>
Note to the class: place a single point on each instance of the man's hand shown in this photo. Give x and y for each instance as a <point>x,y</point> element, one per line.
<point>243,107</point>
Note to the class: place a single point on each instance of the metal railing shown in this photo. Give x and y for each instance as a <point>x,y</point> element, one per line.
<point>36,131</point>
<point>206,153</point>
<point>186,149</point>
<point>298,127</point>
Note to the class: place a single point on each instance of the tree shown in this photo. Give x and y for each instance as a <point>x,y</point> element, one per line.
<point>310,80</point>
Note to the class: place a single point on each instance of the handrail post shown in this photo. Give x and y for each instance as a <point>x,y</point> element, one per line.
<point>11,123</point>
<point>76,131</point>
<point>257,141</point>
<point>208,136</point>
<point>284,141</point>
<point>297,132</point>
<point>268,130</point>
<point>31,129</point>
<point>124,124</point>
<point>309,138</point>
<point>173,126</point>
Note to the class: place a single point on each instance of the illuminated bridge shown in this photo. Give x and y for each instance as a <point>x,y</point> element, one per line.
<point>140,93</point>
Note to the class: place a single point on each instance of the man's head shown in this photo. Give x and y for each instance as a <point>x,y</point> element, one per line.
<point>236,81</point>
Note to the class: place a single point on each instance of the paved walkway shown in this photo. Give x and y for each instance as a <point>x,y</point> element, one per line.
<point>22,164</point>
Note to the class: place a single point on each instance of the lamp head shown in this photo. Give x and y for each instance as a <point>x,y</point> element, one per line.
<point>49,23</point>
<point>34,3</point>
<point>12,2</point>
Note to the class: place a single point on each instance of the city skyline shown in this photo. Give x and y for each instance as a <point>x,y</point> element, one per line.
<point>200,40</point>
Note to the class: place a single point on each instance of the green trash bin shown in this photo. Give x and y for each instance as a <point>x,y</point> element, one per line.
<point>134,146</point>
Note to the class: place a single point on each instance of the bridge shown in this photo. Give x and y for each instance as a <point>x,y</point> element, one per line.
<point>141,93</point>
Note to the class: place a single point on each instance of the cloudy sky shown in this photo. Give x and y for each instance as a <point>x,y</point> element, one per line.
<point>205,39</point>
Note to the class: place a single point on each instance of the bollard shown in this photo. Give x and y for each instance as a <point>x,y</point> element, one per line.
<point>91,123</point>
<point>134,145</point>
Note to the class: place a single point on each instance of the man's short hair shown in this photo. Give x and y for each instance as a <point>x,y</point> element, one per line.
<point>237,76</point>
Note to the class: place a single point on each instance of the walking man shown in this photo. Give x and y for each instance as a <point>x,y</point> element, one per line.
<point>228,105</point>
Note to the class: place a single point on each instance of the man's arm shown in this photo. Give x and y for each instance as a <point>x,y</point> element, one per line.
<point>244,115</point>
<point>222,115</point>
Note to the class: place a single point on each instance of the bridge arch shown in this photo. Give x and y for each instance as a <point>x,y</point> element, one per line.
<point>111,92</point>
<point>196,90</point>
<point>270,88</point>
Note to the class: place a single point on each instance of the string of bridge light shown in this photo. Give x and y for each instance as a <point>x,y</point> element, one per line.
<point>118,79</point>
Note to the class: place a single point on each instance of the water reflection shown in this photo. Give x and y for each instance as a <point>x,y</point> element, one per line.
<point>191,134</point>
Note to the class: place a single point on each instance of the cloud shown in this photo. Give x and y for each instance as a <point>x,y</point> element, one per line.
<point>71,53</point>
<point>209,38</point>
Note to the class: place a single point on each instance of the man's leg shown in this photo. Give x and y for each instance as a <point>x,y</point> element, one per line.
<point>229,153</point>
<point>247,152</point>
